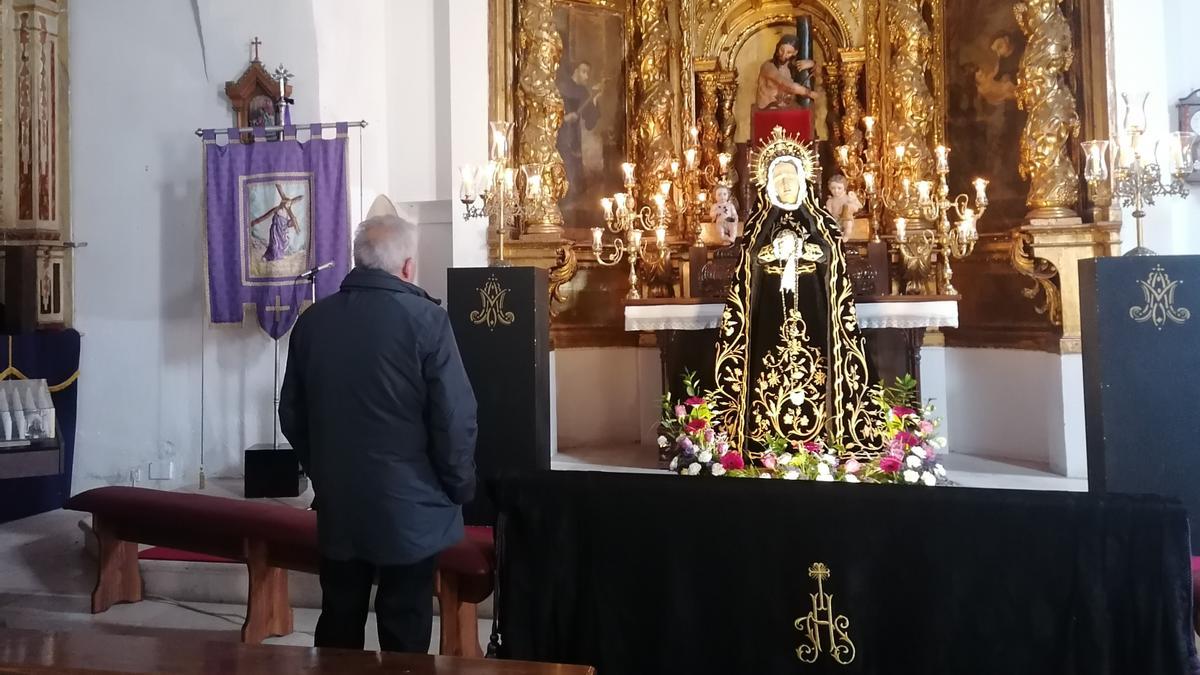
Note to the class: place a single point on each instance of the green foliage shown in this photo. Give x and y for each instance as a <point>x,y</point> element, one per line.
<point>901,393</point>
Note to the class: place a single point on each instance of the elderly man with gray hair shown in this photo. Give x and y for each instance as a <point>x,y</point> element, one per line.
<point>381,414</point>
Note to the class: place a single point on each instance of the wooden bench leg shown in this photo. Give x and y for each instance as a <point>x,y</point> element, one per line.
<point>268,608</point>
<point>459,621</point>
<point>118,578</point>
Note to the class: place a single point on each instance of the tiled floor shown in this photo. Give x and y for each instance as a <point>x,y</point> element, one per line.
<point>46,576</point>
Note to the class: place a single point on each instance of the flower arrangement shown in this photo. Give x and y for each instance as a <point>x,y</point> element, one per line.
<point>909,456</point>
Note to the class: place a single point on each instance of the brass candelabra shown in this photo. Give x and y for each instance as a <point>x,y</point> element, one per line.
<point>1136,178</point>
<point>491,191</point>
<point>696,183</point>
<point>629,223</point>
<point>861,169</point>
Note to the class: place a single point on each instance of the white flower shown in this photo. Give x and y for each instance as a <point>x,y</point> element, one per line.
<point>663,442</point>
<point>718,470</point>
<point>785,458</point>
<point>928,479</point>
<point>694,469</point>
<point>938,442</point>
<point>850,478</point>
<point>911,476</point>
<point>829,459</point>
<point>792,475</point>
<point>675,463</point>
<point>939,470</point>
<point>705,457</point>
<point>825,478</point>
<point>920,452</point>
<point>764,475</point>
<point>822,470</point>
<point>913,462</point>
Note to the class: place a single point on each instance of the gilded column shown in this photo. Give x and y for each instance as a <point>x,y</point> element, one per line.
<point>727,90</point>
<point>853,61</point>
<point>539,112</point>
<point>710,128</point>
<point>911,105</point>
<point>833,101</point>
<point>655,97</point>
<point>1053,121</point>
<point>687,68</point>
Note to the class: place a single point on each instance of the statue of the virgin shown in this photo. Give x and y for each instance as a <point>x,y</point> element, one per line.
<point>791,362</point>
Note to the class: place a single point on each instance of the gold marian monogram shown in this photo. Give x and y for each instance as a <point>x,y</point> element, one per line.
<point>822,619</point>
<point>1159,292</point>
<point>491,310</point>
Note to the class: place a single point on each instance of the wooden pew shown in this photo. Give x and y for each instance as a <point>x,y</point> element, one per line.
<point>270,539</point>
<point>84,653</point>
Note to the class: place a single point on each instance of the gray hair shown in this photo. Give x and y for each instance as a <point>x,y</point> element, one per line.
<point>384,243</point>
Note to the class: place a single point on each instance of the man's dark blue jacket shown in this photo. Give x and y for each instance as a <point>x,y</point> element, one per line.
<point>381,414</point>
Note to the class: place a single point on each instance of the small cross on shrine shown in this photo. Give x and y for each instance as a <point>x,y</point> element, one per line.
<point>277,308</point>
<point>256,43</point>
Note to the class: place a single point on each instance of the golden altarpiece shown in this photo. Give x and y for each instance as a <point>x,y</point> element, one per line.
<point>34,170</point>
<point>1010,87</point>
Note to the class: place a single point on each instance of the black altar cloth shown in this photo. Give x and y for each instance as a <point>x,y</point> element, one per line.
<point>643,574</point>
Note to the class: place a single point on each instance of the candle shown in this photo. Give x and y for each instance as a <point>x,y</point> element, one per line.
<point>533,187</point>
<point>597,242</point>
<point>468,173</point>
<point>901,228</point>
<point>627,169</point>
<point>499,143</point>
<point>665,188</point>
<point>966,226</point>
<point>510,179</point>
<point>487,178</point>
<point>695,135</point>
<point>869,125</point>
<point>723,159</point>
<point>923,190</point>
<point>660,235</point>
<point>900,150</point>
<point>622,199</point>
<point>606,205</point>
<point>675,168</point>
<point>702,196</point>
<point>689,157</point>
<point>661,202</point>
<point>943,165</point>
<point>869,182</point>
<point>1095,169</point>
<point>981,191</point>
<point>906,185</point>
<point>843,154</point>
<point>635,239</point>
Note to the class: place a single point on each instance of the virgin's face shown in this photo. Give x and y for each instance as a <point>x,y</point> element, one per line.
<point>786,180</point>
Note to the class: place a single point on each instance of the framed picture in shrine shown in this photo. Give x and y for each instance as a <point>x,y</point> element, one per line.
<point>592,80</point>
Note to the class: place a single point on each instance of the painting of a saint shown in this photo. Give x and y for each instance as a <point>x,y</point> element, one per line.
<point>983,122</point>
<point>591,81</point>
<point>262,112</point>
<point>277,234</point>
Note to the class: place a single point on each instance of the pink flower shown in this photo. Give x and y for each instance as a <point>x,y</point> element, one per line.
<point>733,461</point>
<point>901,411</point>
<point>813,447</point>
<point>926,427</point>
<point>769,461</point>
<point>722,448</point>
<point>852,466</point>
<point>908,439</point>
<point>890,464</point>
<point>695,425</point>
<point>695,401</point>
<point>709,435</point>
<point>680,411</point>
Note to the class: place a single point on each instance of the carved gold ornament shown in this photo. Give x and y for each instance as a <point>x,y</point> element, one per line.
<point>822,619</point>
<point>1053,120</point>
<point>1044,274</point>
<point>491,311</point>
<point>540,112</point>
<point>1159,292</point>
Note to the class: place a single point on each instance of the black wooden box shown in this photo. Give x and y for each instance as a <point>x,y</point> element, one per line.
<point>273,472</point>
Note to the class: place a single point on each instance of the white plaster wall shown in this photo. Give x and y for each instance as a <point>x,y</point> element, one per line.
<point>607,396</point>
<point>136,198</point>
<point>465,55</point>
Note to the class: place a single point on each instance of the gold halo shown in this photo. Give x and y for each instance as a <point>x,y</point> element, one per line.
<point>780,144</point>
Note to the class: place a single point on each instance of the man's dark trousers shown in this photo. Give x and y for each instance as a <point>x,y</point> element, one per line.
<point>403,604</point>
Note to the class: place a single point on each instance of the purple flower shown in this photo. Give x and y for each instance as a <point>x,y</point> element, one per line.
<point>680,411</point>
<point>769,461</point>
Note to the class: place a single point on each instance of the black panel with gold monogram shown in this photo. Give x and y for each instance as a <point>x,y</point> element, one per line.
<point>791,361</point>
<point>1141,376</point>
<point>501,320</point>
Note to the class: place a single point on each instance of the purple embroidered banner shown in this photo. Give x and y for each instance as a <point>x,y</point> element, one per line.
<point>273,211</point>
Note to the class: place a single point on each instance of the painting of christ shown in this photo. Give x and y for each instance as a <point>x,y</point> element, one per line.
<point>277,226</point>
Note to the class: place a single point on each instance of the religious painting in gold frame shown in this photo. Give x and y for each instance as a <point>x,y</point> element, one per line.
<point>593,80</point>
<point>984,123</point>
